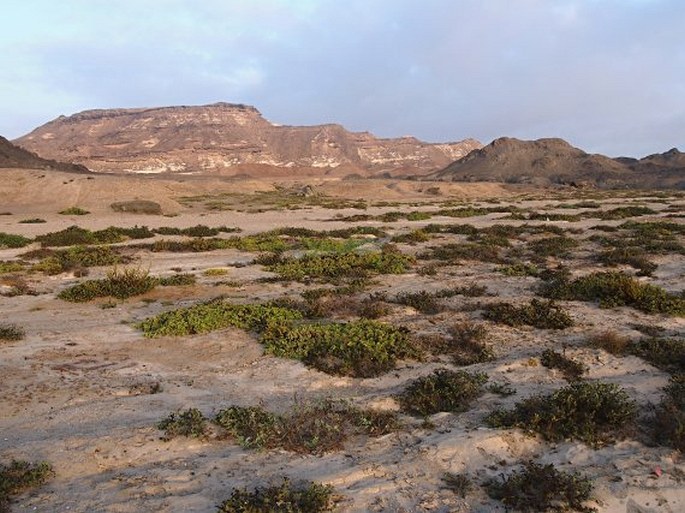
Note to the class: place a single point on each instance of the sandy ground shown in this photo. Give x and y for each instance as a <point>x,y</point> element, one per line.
<point>75,391</point>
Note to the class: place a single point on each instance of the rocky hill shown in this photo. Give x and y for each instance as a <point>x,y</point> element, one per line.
<point>12,156</point>
<point>228,139</point>
<point>554,161</point>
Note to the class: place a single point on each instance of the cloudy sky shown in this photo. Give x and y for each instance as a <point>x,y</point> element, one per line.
<point>607,75</point>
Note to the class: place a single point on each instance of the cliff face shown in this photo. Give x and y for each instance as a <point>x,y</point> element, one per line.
<point>554,161</point>
<point>226,139</point>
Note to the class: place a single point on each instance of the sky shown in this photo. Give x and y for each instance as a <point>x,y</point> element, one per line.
<point>606,75</point>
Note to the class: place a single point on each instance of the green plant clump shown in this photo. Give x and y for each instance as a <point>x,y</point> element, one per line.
<point>363,348</point>
<point>593,413</point>
<point>572,370</point>
<point>540,314</point>
<point>668,424</point>
<point>307,497</point>
<point>20,476</point>
<point>74,211</point>
<point>11,332</point>
<point>58,261</point>
<point>215,315</point>
<point>120,284</point>
<point>191,423</point>
<point>542,488</point>
<point>9,240</point>
<point>443,390</point>
<point>342,266</point>
<point>616,289</point>
<point>312,427</point>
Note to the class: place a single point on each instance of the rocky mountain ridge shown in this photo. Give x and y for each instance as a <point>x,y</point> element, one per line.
<point>225,138</point>
<point>12,156</point>
<point>552,161</point>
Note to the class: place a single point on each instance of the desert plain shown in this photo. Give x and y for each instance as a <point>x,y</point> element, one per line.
<point>85,389</point>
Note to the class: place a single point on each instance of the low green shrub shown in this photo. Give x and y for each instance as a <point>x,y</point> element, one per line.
<point>413,237</point>
<point>306,497</point>
<point>332,267</point>
<point>520,269</point>
<point>667,426</point>
<point>20,476</point>
<point>74,211</point>
<point>75,235</point>
<point>215,315</point>
<point>312,427</point>
<point>466,344</point>
<point>590,412</point>
<point>423,301</point>
<point>11,332</point>
<point>623,213</point>
<point>615,289</point>
<point>464,251</point>
<point>665,353</point>
<point>572,370</point>
<point>443,390</point>
<point>119,283</point>
<point>9,240</point>
<point>363,348</point>
<point>177,280</point>
<point>11,266</point>
<point>190,423</point>
<point>460,484</point>
<point>632,256</point>
<point>539,314</point>
<point>199,230</point>
<point>33,220</point>
<point>58,261</point>
<point>542,488</point>
<point>552,246</point>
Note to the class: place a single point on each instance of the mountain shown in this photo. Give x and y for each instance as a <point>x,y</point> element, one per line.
<point>554,161</point>
<point>12,156</point>
<point>228,139</point>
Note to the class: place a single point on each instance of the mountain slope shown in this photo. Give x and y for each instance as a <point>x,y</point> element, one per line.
<point>226,139</point>
<point>554,161</point>
<point>12,156</point>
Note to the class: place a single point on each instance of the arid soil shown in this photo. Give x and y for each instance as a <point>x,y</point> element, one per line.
<point>84,389</point>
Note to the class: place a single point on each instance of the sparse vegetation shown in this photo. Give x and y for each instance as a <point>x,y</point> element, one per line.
<point>363,348</point>
<point>190,423</point>
<point>337,267</point>
<point>542,488</point>
<point>119,283</point>
<point>74,211</point>
<point>613,289</point>
<point>11,332</point>
<point>593,413</point>
<point>667,426</point>
<point>571,369</point>
<point>215,315</point>
<point>19,476</point>
<point>75,235</point>
<point>312,427</point>
<point>33,220</point>
<point>460,484</point>
<point>9,240</point>
<point>306,497</point>
<point>443,390</point>
<point>540,314</point>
